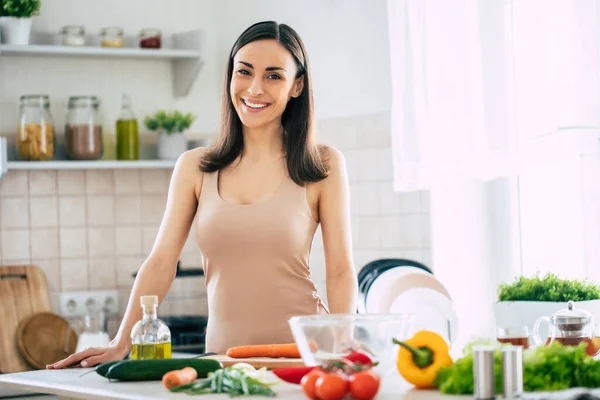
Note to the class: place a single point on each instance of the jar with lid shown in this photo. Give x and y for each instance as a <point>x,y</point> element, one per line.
<point>73,35</point>
<point>150,38</point>
<point>111,37</point>
<point>35,134</point>
<point>83,128</point>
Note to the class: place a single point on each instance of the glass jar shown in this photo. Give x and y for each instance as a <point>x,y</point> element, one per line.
<point>150,337</point>
<point>73,35</point>
<point>128,147</point>
<point>35,135</point>
<point>111,37</point>
<point>83,128</point>
<point>150,38</point>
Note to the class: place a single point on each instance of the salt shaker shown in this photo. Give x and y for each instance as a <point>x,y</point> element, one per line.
<point>512,371</point>
<point>483,372</point>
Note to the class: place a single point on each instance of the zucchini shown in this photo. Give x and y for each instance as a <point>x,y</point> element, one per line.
<point>153,370</point>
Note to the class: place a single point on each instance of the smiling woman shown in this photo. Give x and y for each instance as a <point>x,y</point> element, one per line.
<point>257,197</point>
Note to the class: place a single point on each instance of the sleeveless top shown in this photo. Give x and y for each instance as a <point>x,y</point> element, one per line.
<point>256,265</point>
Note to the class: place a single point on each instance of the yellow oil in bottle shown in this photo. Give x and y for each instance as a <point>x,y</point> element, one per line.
<point>149,351</point>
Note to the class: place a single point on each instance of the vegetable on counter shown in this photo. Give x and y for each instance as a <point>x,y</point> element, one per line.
<point>237,380</point>
<point>546,368</point>
<point>292,374</point>
<point>179,377</point>
<point>420,358</point>
<point>287,350</point>
<point>154,370</point>
<point>360,357</point>
<point>333,381</point>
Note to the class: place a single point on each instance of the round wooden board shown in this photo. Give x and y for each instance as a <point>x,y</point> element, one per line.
<point>45,338</point>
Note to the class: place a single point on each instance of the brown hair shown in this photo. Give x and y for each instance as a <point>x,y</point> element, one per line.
<point>303,156</point>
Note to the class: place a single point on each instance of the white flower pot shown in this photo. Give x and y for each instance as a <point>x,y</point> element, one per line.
<point>15,30</point>
<point>170,147</point>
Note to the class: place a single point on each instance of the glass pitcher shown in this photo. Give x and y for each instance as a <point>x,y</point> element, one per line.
<point>568,326</point>
<point>94,331</point>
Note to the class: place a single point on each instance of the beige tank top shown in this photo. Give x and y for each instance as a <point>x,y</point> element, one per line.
<point>256,264</point>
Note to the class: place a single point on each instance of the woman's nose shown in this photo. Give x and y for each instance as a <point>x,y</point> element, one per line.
<point>255,88</point>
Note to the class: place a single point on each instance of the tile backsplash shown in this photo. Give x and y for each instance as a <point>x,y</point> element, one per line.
<point>92,229</point>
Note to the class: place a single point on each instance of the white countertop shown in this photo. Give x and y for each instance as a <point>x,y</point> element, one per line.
<point>69,383</point>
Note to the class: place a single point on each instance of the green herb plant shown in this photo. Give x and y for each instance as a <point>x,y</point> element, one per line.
<point>545,368</point>
<point>548,288</point>
<point>236,380</point>
<point>169,122</point>
<point>20,8</point>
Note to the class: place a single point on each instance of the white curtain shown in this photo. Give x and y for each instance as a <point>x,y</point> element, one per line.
<point>495,112</point>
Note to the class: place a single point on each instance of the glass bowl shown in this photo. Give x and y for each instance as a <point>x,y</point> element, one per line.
<point>322,338</point>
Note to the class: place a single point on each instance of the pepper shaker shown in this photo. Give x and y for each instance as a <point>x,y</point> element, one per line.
<point>512,371</point>
<point>483,372</point>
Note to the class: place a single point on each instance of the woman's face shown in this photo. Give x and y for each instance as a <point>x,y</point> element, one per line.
<point>263,82</point>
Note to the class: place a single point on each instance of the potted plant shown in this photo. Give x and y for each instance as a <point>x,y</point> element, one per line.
<point>15,20</point>
<point>523,301</point>
<point>171,127</point>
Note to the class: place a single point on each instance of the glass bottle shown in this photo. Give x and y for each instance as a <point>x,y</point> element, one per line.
<point>35,134</point>
<point>83,128</point>
<point>150,337</point>
<point>127,132</point>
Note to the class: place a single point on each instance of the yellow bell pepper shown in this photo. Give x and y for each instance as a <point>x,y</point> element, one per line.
<point>420,358</point>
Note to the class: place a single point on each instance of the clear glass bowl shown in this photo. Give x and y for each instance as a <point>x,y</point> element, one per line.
<point>329,337</point>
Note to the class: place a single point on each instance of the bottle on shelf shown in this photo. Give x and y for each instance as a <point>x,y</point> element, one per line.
<point>150,337</point>
<point>127,132</point>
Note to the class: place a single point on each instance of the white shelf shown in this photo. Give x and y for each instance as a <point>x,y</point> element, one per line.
<point>100,164</point>
<point>183,50</point>
<point>57,50</point>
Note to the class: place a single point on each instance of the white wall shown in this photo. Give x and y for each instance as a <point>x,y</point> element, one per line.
<point>346,42</point>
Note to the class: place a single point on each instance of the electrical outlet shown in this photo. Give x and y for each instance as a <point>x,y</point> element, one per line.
<point>78,304</point>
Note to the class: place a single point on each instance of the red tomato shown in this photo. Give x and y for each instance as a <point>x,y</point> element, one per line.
<point>309,380</point>
<point>332,386</point>
<point>364,385</point>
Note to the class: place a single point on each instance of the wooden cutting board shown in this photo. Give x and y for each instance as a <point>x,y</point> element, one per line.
<point>23,292</point>
<point>259,362</point>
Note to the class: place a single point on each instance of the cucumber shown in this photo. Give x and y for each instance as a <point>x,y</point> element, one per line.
<point>102,369</point>
<point>153,370</point>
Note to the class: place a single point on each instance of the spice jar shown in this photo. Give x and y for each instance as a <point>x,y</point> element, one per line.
<point>35,134</point>
<point>111,37</point>
<point>150,38</point>
<point>73,35</point>
<point>83,129</point>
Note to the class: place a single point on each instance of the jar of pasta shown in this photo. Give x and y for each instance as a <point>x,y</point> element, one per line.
<point>35,134</point>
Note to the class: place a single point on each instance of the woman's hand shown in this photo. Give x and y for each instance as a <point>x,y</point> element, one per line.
<point>92,356</point>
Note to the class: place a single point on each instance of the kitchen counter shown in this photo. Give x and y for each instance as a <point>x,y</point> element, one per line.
<point>68,383</point>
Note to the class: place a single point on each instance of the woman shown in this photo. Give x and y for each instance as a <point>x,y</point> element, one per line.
<point>258,196</point>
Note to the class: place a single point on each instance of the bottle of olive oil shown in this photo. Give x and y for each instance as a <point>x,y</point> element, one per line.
<point>128,146</point>
<point>150,337</point>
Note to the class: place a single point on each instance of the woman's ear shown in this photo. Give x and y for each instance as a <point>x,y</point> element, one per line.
<point>298,86</point>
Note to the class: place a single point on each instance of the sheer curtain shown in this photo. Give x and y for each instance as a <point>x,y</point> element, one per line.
<point>495,113</point>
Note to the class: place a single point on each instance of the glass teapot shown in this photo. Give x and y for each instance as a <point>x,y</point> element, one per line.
<point>567,326</point>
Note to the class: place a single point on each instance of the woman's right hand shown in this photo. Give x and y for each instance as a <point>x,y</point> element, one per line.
<point>92,356</point>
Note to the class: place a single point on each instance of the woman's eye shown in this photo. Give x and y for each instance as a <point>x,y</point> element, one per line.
<point>274,76</point>
<point>243,72</point>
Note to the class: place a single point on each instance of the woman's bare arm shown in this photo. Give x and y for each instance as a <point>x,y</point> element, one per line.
<point>158,270</point>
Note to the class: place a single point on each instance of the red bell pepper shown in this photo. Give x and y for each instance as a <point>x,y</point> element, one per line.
<point>292,374</point>
<point>359,357</point>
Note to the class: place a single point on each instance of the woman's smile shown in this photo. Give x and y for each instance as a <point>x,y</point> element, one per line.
<point>250,105</point>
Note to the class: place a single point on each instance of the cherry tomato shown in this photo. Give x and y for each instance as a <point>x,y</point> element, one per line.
<point>332,386</point>
<point>309,380</point>
<point>364,385</point>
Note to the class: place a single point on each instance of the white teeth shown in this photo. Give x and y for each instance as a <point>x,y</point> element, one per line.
<point>254,105</point>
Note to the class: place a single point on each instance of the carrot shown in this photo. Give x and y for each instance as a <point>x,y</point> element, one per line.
<point>287,350</point>
<point>179,377</point>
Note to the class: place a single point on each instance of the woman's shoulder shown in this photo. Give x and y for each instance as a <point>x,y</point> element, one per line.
<point>332,157</point>
<point>187,169</point>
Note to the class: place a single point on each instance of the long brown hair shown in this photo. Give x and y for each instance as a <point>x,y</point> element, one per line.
<point>305,159</point>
